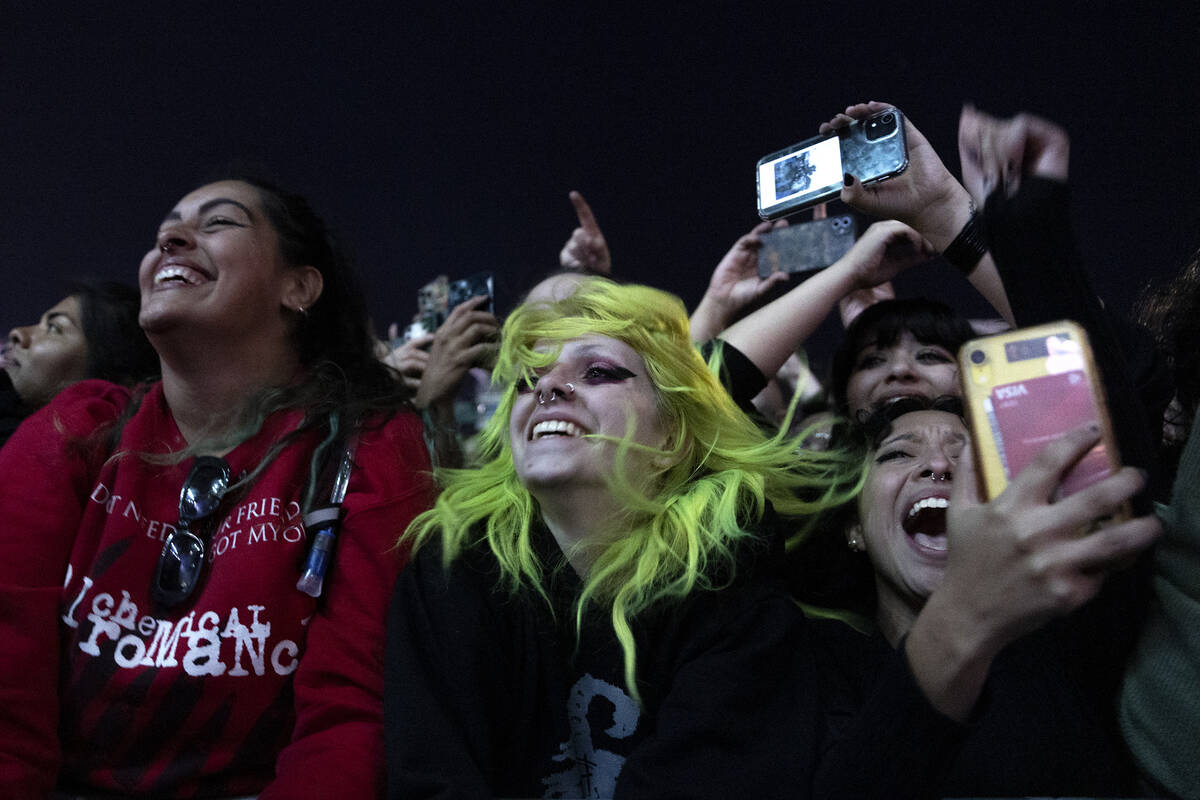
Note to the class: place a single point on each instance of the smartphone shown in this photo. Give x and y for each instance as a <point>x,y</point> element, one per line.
<point>1026,388</point>
<point>436,299</point>
<point>806,246</point>
<point>475,285</point>
<point>873,149</point>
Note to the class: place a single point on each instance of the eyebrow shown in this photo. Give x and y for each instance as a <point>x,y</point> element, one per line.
<point>211,204</point>
<point>64,315</point>
<point>913,437</point>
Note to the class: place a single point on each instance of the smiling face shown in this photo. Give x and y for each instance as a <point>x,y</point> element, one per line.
<point>45,358</point>
<point>596,388</point>
<point>216,263</point>
<point>902,508</point>
<point>907,368</point>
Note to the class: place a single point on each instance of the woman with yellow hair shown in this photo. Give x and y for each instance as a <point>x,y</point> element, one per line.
<point>592,612</point>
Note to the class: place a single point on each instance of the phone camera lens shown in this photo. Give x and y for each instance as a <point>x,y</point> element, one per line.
<point>887,119</point>
<point>978,357</point>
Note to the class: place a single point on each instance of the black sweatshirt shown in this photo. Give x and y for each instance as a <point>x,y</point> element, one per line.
<point>487,694</point>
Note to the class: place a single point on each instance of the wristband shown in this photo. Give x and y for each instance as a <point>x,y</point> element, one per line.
<point>968,247</point>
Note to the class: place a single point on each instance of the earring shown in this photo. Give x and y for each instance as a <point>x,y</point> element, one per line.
<point>854,541</point>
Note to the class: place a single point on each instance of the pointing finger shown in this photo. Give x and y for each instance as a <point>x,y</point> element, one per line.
<point>587,220</point>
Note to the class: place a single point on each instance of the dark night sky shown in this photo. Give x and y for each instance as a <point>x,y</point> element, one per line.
<point>446,139</point>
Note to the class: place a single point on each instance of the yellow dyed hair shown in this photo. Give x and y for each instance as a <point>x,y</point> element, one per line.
<point>683,530</point>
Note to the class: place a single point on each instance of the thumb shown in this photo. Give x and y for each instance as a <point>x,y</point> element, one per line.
<point>852,189</point>
<point>966,489</point>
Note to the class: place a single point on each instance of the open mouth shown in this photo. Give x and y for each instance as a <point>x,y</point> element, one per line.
<point>926,523</point>
<point>555,427</point>
<point>180,275</point>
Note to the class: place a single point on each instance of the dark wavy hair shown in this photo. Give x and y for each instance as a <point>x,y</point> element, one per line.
<point>344,385</point>
<point>882,325</point>
<point>345,381</point>
<point>117,349</point>
<point>824,572</point>
<point>1172,312</point>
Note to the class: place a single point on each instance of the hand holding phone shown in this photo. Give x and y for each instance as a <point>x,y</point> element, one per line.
<point>436,299</point>
<point>1027,388</point>
<point>925,196</point>
<point>735,284</point>
<point>806,246</point>
<point>872,149</point>
<point>468,338</point>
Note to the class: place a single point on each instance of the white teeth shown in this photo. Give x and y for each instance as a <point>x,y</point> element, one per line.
<point>928,502</point>
<point>555,426</point>
<point>189,276</point>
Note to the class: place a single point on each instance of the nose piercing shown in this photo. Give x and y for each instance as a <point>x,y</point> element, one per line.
<point>554,393</point>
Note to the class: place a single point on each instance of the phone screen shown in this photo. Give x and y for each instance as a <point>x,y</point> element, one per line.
<point>815,170</point>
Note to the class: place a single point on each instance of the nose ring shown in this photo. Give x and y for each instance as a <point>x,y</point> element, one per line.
<point>541,399</point>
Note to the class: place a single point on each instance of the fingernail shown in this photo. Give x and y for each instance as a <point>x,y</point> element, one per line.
<point>847,179</point>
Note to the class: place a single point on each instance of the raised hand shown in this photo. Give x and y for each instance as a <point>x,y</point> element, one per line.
<point>410,360</point>
<point>586,249</point>
<point>1017,562</point>
<point>734,284</point>
<point>997,152</point>
<point>467,338</point>
<point>925,196</point>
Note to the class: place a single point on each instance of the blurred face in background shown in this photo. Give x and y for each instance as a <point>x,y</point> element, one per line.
<point>45,358</point>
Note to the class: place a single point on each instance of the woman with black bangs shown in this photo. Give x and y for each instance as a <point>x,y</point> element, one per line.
<point>895,349</point>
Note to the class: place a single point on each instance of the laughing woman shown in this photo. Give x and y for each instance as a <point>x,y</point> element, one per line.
<point>591,612</point>
<point>155,640</point>
<point>990,668</point>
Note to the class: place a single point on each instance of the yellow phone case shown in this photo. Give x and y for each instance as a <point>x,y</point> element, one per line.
<point>1019,389</point>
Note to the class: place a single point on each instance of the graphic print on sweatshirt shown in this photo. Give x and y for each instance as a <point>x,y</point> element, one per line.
<point>592,771</point>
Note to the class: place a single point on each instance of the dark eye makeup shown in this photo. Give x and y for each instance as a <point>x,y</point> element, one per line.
<point>606,373</point>
<point>593,374</point>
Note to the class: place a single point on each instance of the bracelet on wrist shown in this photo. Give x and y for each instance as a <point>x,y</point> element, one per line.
<point>965,252</point>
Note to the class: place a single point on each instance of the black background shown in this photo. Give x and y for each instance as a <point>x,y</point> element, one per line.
<point>444,139</point>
